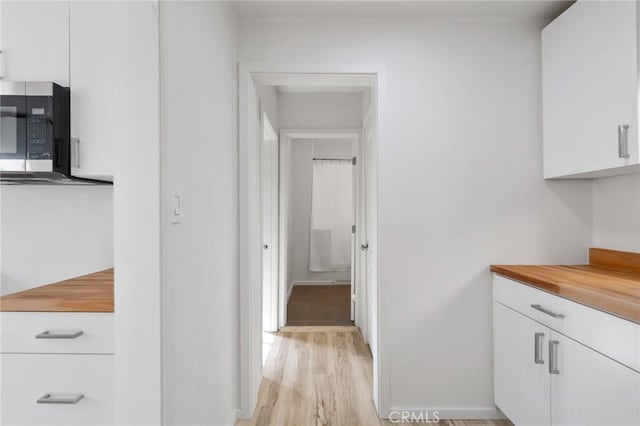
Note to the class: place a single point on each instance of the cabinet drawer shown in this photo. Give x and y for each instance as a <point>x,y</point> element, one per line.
<point>26,378</point>
<point>58,332</point>
<point>614,337</point>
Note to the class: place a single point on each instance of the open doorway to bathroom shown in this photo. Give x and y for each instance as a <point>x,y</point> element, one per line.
<point>320,196</point>
<point>325,124</point>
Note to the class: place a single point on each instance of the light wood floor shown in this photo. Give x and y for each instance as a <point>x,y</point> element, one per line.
<point>322,376</point>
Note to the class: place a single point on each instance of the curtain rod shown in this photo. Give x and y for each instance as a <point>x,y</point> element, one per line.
<point>332,159</point>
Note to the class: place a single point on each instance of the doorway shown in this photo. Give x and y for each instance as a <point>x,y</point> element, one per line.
<point>318,175</point>
<point>363,244</point>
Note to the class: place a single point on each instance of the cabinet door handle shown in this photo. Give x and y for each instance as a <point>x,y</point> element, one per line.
<point>75,149</point>
<point>59,335</point>
<point>51,399</point>
<point>553,357</point>
<point>546,311</point>
<point>623,141</point>
<point>537,351</point>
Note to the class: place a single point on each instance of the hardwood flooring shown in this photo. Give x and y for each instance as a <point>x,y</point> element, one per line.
<point>319,305</point>
<point>322,376</point>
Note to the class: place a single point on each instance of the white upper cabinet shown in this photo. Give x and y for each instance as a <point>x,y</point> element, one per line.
<point>590,90</point>
<point>93,48</point>
<point>114,47</point>
<point>34,39</point>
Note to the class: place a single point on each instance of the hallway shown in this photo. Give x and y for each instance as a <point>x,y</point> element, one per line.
<point>322,376</point>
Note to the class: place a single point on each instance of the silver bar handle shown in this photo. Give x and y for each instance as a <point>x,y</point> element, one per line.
<point>553,357</point>
<point>623,141</point>
<point>546,311</point>
<point>59,335</point>
<point>75,150</point>
<point>51,399</point>
<point>537,357</point>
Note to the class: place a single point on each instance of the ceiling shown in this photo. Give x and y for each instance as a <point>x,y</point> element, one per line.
<point>542,11</point>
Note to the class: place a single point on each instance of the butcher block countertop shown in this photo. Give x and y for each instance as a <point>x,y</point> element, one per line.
<point>610,283</point>
<point>88,293</point>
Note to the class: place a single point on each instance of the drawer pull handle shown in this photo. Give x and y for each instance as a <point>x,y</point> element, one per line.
<point>553,357</point>
<point>51,399</point>
<point>537,343</point>
<point>546,311</point>
<point>59,335</point>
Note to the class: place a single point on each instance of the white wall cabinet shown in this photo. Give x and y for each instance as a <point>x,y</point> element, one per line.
<point>106,70</point>
<point>545,377</point>
<point>34,39</point>
<point>590,90</point>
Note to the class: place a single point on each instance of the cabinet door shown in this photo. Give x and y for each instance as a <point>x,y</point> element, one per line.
<point>591,389</point>
<point>27,379</point>
<point>521,383</point>
<point>34,39</point>
<point>93,50</point>
<point>590,87</point>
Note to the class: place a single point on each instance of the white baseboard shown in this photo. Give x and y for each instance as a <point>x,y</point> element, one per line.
<point>475,413</point>
<point>233,417</point>
<point>321,282</point>
<point>290,290</point>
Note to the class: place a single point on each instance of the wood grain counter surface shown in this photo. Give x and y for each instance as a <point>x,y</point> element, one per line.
<point>610,283</point>
<point>88,293</point>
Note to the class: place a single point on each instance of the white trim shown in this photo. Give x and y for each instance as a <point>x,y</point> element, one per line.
<point>289,294</point>
<point>233,417</point>
<point>470,413</point>
<point>250,278</point>
<point>303,283</point>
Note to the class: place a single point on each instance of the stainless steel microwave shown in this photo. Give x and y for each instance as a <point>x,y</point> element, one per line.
<point>34,129</point>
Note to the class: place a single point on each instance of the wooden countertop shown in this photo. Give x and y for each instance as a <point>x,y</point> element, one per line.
<point>610,283</point>
<point>88,293</point>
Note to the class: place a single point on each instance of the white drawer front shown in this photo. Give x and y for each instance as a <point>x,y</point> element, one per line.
<point>25,378</point>
<point>614,337</point>
<point>19,331</point>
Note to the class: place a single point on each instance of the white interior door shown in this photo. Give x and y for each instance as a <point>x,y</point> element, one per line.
<point>269,212</point>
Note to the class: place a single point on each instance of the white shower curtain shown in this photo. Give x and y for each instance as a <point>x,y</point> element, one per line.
<point>331,216</point>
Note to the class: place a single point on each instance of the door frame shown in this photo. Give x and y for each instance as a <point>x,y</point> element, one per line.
<point>270,301</point>
<point>250,302</point>
<point>286,136</point>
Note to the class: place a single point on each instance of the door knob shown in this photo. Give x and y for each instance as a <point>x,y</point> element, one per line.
<point>364,246</point>
<point>266,246</point>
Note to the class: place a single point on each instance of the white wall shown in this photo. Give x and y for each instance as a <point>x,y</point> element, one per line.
<point>616,213</point>
<point>303,152</point>
<point>51,233</point>
<point>200,256</point>
<point>136,211</point>
<point>460,185</point>
<point>320,110</point>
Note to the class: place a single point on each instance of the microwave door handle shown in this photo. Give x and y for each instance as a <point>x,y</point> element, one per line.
<point>56,153</point>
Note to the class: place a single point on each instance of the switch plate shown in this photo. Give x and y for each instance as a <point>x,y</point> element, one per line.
<point>176,206</point>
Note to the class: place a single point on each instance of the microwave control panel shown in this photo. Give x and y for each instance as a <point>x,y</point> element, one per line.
<point>38,134</point>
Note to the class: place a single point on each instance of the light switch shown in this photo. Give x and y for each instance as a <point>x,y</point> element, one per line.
<point>176,206</point>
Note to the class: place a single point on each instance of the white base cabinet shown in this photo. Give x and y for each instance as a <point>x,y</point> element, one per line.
<point>57,369</point>
<point>40,389</point>
<point>521,384</point>
<point>543,376</point>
